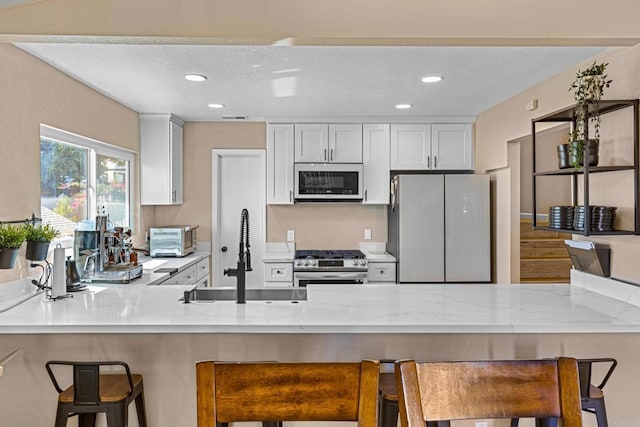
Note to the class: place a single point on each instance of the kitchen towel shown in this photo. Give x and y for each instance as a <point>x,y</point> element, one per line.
<point>59,280</point>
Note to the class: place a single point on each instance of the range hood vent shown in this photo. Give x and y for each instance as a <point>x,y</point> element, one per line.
<point>235,117</point>
<point>589,257</point>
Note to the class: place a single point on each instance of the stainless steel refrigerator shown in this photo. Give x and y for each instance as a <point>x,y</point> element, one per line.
<point>439,228</point>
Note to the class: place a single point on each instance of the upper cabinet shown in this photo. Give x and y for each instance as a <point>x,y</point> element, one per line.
<point>431,147</point>
<point>375,164</point>
<point>322,143</point>
<point>161,159</point>
<point>280,164</point>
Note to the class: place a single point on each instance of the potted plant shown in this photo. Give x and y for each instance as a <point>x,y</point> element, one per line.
<point>11,239</point>
<point>38,238</point>
<point>588,88</point>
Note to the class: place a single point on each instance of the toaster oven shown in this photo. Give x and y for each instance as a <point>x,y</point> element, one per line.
<point>172,240</point>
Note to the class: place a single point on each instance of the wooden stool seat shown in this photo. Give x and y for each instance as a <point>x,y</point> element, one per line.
<point>113,388</point>
<point>93,392</point>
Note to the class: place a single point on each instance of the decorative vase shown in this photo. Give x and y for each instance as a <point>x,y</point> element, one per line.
<point>576,153</point>
<point>8,258</point>
<point>37,251</point>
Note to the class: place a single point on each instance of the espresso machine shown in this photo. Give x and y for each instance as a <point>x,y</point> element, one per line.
<point>105,254</point>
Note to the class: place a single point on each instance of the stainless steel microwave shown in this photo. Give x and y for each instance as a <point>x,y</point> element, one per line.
<point>172,240</point>
<point>328,182</point>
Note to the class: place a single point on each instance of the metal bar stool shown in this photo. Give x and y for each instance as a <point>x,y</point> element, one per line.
<point>388,409</point>
<point>92,392</point>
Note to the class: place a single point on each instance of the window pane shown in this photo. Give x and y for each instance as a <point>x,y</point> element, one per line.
<point>63,184</point>
<point>113,189</point>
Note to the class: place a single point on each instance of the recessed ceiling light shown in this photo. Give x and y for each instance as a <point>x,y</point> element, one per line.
<point>195,77</point>
<point>216,105</point>
<point>431,79</point>
<point>403,106</point>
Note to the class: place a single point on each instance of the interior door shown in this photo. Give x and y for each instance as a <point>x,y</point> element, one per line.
<point>238,183</point>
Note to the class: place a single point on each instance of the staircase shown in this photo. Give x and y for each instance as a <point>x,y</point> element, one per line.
<point>543,256</point>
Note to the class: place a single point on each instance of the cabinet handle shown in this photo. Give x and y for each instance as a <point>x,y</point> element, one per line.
<point>174,195</point>
<point>365,195</point>
<point>428,161</point>
<point>325,155</point>
<point>331,155</point>
<point>291,195</point>
<point>435,162</point>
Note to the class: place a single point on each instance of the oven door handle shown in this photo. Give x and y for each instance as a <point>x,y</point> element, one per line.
<point>312,276</point>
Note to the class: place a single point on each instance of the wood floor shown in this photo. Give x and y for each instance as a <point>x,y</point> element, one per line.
<point>543,256</point>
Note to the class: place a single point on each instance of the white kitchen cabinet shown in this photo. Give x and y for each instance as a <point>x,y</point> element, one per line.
<point>202,273</point>
<point>381,273</point>
<point>188,276</point>
<point>431,147</point>
<point>322,143</point>
<point>278,274</point>
<point>375,164</point>
<point>345,143</point>
<point>280,164</point>
<point>311,143</point>
<point>161,159</point>
<point>451,147</point>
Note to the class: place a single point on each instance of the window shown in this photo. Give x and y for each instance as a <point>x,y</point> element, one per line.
<point>81,177</point>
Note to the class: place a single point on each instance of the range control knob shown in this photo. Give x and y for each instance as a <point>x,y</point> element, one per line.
<point>363,262</point>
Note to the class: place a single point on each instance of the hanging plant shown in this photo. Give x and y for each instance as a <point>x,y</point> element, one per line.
<point>588,88</point>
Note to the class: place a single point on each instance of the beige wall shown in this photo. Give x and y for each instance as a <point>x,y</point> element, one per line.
<point>31,93</point>
<point>509,120</point>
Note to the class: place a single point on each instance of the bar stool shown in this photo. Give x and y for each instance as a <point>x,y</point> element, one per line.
<point>92,392</point>
<point>591,396</point>
<point>388,410</point>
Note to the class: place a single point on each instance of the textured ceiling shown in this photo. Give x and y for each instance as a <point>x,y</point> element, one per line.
<point>291,82</point>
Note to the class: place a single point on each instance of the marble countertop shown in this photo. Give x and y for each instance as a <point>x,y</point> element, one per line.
<point>335,309</point>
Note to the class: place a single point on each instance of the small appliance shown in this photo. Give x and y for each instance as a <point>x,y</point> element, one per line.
<point>172,240</point>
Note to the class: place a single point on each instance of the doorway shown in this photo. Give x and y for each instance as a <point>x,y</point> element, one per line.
<point>238,183</point>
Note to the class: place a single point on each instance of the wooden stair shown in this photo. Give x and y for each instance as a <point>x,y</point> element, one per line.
<point>543,256</point>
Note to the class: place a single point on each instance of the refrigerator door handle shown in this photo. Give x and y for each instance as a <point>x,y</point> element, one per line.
<point>394,190</point>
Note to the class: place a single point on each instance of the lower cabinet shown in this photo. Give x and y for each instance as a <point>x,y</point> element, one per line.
<point>202,273</point>
<point>278,274</point>
<point>382,273</point>
<point>196,274</point>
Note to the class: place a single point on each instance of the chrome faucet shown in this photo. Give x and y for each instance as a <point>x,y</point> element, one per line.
<point>244,259</point>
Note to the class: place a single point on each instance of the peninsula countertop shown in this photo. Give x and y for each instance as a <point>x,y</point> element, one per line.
<point>336,309</point>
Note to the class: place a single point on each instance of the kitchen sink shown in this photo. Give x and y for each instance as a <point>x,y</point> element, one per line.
<point>229,294</point>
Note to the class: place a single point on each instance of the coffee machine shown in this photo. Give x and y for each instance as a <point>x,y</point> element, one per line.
<point>104,254</point>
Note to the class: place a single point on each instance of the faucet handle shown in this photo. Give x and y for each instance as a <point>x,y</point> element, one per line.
<point>248,257</point>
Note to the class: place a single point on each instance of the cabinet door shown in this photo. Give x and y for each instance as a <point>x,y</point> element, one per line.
<point>467,228</point>
<point>410,147</point>
<point>345,143</point>
<point>161,167</point>
<point>280,164</point>
<point>452,147</point>
<point>375,164</point>
<point>176,193</point>
<point>311,143</point>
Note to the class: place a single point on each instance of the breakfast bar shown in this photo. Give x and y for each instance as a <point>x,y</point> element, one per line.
<point>162,338</point>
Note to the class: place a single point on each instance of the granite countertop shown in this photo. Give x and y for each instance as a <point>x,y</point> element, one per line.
<point>336,309</point>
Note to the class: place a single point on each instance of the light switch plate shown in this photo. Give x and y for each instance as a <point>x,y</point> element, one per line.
<point>291,235</point>
<point>367,234</point>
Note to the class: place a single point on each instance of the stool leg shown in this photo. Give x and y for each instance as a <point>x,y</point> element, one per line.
<point>388,413</point>
<point>272,424</point>
<point>514,422</point>
<point>140,410</point>
<point>117,416</point>
<point>601,413</point>
<point>547,422</point>
<point>61,417</point>
<point>87,420</point>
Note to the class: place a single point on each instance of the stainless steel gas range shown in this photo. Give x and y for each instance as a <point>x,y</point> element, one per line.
<point>329,267</point>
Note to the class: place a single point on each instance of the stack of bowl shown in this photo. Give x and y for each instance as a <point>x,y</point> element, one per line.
<point>602,218</point>
<point>561,217</point>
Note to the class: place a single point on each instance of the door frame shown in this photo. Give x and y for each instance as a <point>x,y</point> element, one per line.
<point>217,154</point>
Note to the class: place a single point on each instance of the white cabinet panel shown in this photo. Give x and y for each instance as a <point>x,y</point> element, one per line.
<point>410,147</point>
<point>375,164</point>
<point>451,147</point>
<point>161,159</point>
<point>311,143</point>
<point>382,272</point>
<point>345,143</point>
<point>202,268</point>
<point>185,277</point>
<point>280,164</point>
<point>277,275</point>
